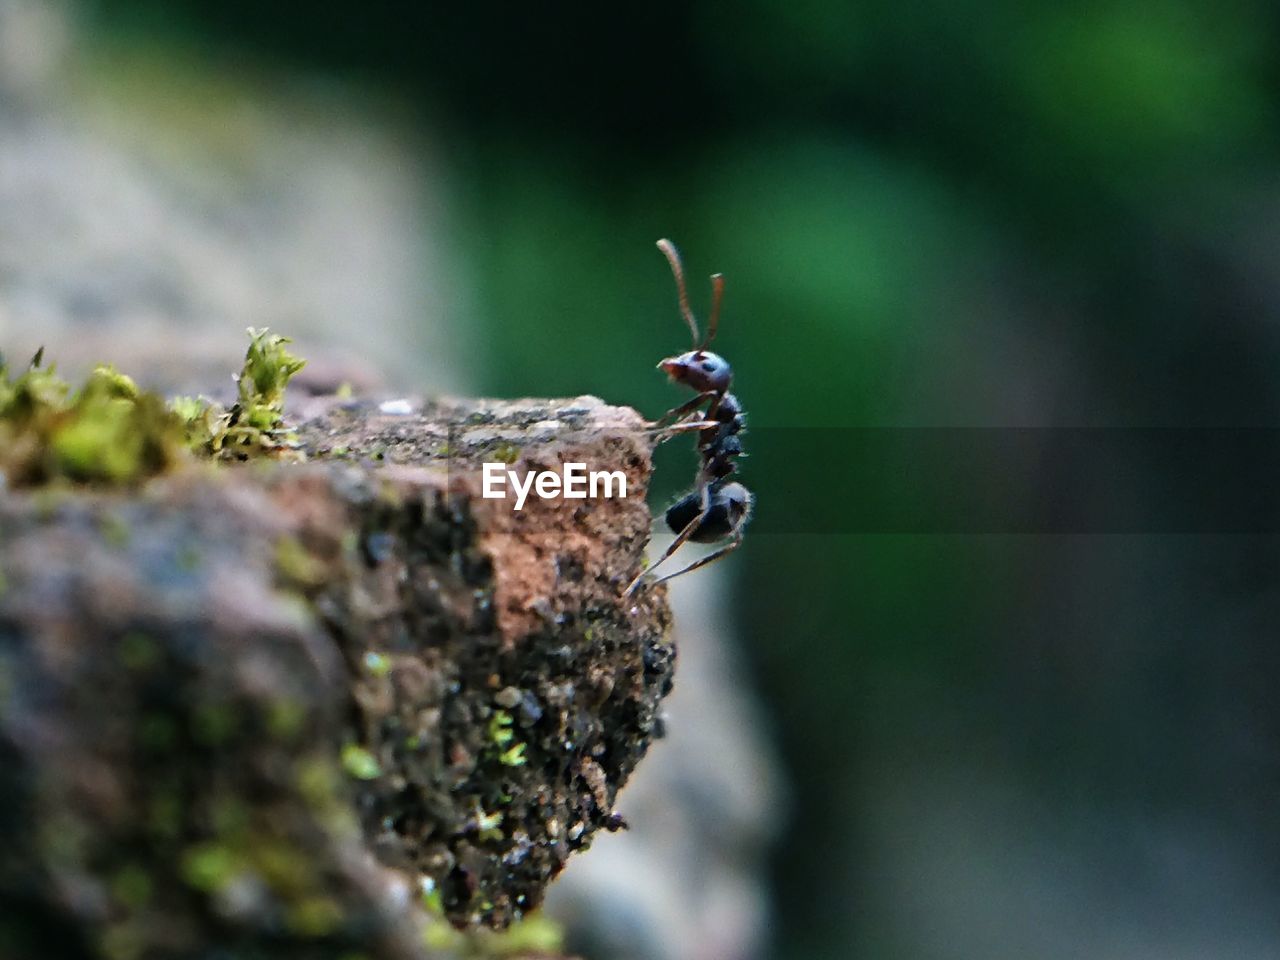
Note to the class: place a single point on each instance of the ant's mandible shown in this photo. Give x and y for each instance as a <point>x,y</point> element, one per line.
<point>717,508</point>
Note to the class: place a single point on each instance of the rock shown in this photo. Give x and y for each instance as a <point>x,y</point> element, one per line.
<point>227,697</point>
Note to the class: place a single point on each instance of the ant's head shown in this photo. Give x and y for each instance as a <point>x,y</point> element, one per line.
<point>700,370</point>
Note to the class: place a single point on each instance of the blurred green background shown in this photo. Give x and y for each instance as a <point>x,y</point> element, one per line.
<point>930,215</point>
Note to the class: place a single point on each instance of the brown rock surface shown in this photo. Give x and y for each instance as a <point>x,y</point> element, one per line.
<point>218,693</point>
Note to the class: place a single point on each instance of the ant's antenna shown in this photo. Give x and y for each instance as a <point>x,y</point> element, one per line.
<point>677,269</point>
<point>717,294</point>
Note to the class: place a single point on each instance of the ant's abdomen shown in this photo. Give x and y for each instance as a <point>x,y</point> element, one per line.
<point>718,523</point>
<point>685,510</point>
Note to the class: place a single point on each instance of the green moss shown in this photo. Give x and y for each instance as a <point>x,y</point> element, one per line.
<point>360,763</point>
<point>317,781</point>
<point>286,869</point>
<point>488,824</point>
<point>109,432</point>
<point>268,367</point>
<point>500,732</point>
<point>286,718</point>
<point>36,390</point>
<point>507,453</point>
<point>296,565</point>
<point>188,409</point>
<point>100,442</point>
<point>432,899</point>
<point>513,757</point>
<point>209,867</point>
<point>314,916</point>
<point>254,425</point>
<point>439,936</point>
<point>500,735</point>
<point>534,935</point>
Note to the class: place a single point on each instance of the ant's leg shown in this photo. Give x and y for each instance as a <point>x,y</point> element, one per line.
<point>663,434</point>
<point>684,535</point>
<point>709,558</point>
<point>687,407</point>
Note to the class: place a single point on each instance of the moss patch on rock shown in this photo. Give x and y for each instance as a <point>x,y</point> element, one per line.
<point>108,432</point>
<point>254,425</point>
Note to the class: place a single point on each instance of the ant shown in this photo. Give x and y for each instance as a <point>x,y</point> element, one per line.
<point>717,508</point>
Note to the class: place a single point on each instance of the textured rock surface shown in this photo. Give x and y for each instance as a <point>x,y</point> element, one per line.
<point>217,695</point>
<point>511,694</point>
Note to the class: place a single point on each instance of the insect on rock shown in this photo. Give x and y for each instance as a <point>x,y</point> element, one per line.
<point>718,507</point>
